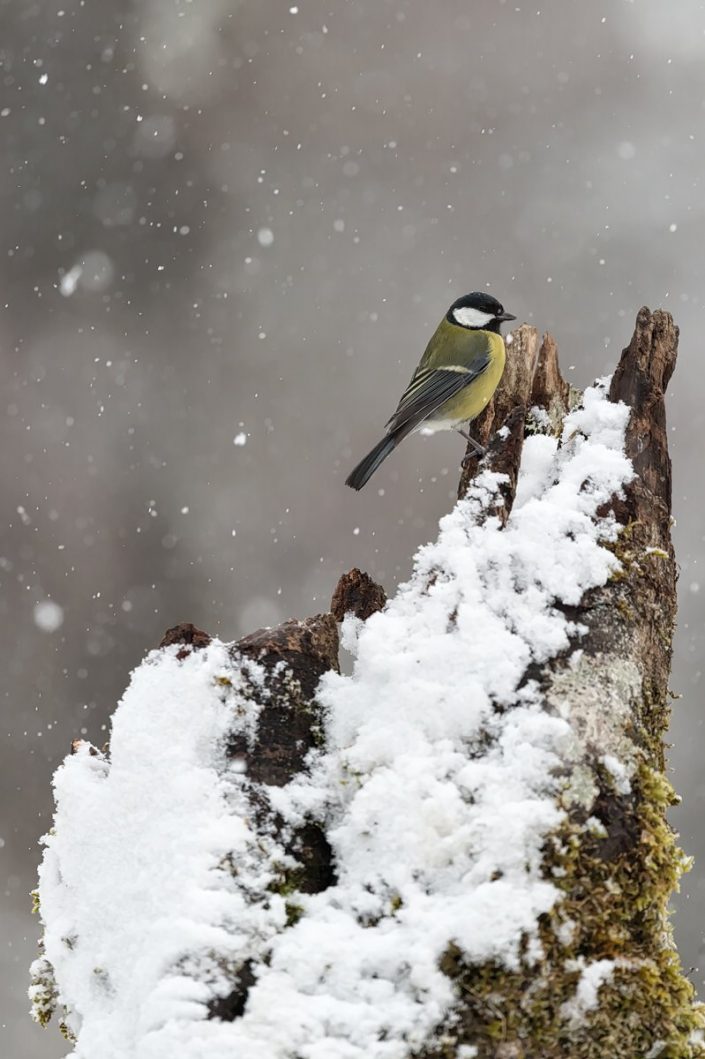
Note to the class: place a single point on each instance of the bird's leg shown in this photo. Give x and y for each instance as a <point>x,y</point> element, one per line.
<point>480,450</point>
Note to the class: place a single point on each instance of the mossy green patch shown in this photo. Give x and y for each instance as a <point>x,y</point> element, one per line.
<point>43,991</point>
<point>288,880</point>
<point>615,881</point>
<point>66,1032</point>
<point>294,913</point>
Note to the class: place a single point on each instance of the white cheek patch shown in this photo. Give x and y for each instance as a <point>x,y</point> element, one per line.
<point>472,317</point>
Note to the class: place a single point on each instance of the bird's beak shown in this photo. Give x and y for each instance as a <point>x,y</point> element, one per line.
<point>506,316</point>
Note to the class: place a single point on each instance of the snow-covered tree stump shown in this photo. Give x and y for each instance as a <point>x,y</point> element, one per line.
<point>461,849</point>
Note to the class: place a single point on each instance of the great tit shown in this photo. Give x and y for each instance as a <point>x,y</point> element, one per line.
<point>455,379</point>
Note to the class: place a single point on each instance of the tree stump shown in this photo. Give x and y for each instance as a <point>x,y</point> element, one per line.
<point>574,736</point>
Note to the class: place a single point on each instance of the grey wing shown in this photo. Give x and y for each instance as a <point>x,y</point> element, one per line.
<point>429,389</point>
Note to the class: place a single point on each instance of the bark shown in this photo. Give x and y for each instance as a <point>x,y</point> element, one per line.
<point>294,656</point>
<point>615,858</point>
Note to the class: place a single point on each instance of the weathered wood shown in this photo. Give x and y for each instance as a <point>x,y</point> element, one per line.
<point>294,656</point>
<point>513,394</point>
<point>643,603</point>
<point>630,620</point>
<point>550,391</point>
<point>503,457</point>
<point>356,593</point>
<point>188,635</point>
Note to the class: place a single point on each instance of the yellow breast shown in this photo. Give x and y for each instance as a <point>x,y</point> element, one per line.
<point>468,404</point>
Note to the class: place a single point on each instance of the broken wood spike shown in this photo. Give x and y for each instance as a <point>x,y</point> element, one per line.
<point>356,593</point>
<point>187,634</point>
<point>549,389</point>
<point>513,392</point>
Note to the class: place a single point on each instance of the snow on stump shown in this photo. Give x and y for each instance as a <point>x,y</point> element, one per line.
<point>461,849</point>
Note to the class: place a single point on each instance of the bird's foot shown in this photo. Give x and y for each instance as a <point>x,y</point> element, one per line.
<point>479,450</point>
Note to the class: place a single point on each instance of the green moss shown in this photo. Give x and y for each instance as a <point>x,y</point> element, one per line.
<point>624,548</point>
<point>288,880</point>
<point>44,995</point>
<point>625,610</point>
<point>294,913</point>
<point>615,881</point>
<point>287,884</point>
<point>43,991</point>
<point>657,553</point>
<point>34,894</point>
<point>630,550</point>
<point>66,1032</point>
<point>318,735</point>
<point>652,715</point>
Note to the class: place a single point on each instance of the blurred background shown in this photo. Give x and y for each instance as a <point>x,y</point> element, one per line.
<point>228,230</point>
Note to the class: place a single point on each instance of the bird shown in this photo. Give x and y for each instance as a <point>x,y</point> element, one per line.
<point>456,377</point>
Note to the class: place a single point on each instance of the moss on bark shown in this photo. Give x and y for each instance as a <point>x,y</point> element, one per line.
<point>615,872</point>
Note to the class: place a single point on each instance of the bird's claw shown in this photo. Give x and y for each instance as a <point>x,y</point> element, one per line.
<point>477,454</point>
<point>479,450</point>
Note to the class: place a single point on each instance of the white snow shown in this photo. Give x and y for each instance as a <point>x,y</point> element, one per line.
<point>592,976</point>
<point>134,888</point>
<point>265,237</point>
<point>48,615</point>
<point>619,772</point>
<point>93,272</point>
<point>437,789</point>
<point>69,280</point>
<point>240,439</point>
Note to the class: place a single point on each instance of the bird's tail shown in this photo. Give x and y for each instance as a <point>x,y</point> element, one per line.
<point>367,467</point>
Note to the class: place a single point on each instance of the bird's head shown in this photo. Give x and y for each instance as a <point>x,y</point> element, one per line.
<point>478,312</point>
